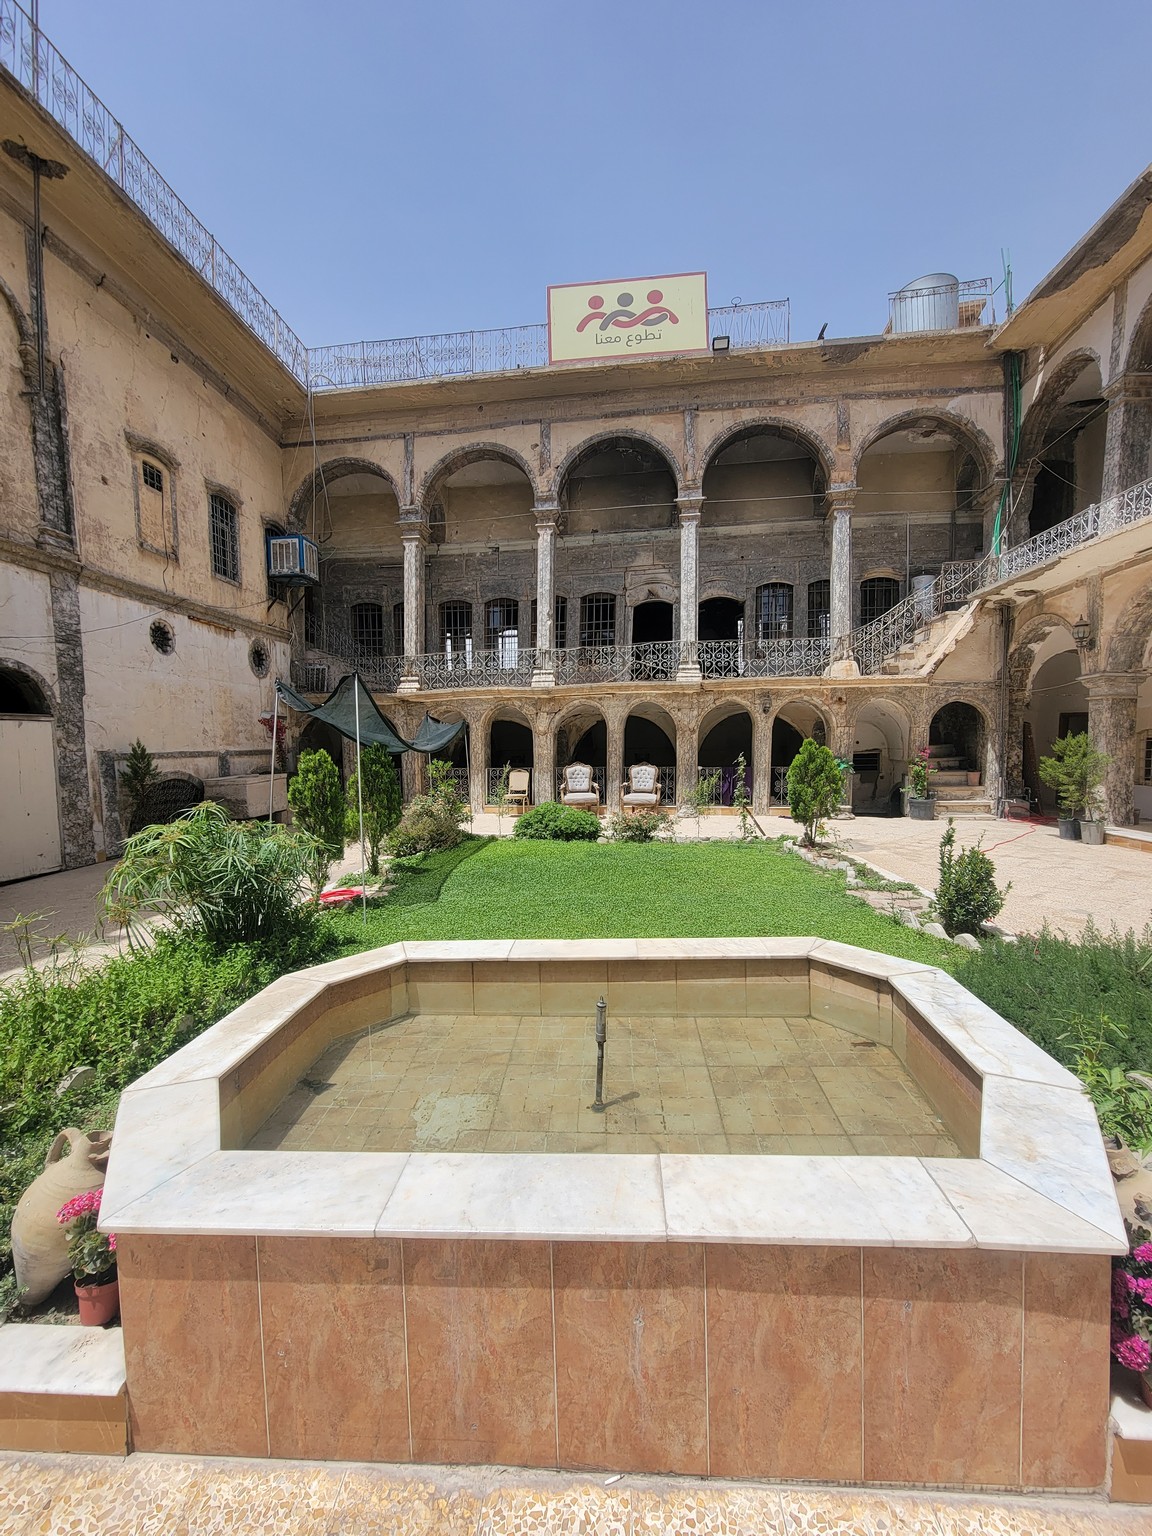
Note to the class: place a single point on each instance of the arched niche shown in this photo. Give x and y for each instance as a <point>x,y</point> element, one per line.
<point>763,473</point>
<point>880,751</point>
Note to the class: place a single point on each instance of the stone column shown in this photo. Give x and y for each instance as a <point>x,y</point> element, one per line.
<point>614,772</point>
<point>689,507</point>
<point>543,761</point>
<point>1112,728</point>
<point>414,536</point>
<point>761,765</point>
<point>547,513</point>
<point>840,500</point>
<point>477,765</point>
<point>687,756</point>
<point>1128,433</point>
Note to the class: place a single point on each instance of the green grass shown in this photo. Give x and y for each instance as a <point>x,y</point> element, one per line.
<point>489,889</point>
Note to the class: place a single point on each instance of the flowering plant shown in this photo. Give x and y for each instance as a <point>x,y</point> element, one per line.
<point>92,1254</point>
<point>919,770</point>
<point>1132,1304</point>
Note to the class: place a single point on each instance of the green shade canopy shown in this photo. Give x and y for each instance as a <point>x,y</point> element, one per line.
<point>339,710</point>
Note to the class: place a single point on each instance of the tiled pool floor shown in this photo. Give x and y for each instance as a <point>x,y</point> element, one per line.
<point>435,1082</point>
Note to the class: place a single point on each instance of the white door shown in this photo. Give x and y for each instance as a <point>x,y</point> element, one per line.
<point>30,820</point>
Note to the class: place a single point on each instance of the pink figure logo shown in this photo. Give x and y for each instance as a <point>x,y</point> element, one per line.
<point>624,317</point>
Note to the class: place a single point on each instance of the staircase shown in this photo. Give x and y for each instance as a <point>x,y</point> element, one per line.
<point>954,795</point>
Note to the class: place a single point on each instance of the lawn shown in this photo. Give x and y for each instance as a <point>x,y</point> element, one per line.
<point>491,889</point>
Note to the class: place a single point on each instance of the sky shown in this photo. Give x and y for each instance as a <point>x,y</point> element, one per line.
<point>393,169</point>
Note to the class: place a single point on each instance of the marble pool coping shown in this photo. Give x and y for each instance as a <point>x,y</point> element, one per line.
<point>1040,1183</point>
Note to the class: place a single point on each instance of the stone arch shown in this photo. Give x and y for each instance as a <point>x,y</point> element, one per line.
<point>460,458</point>
<point>1023,662</point>
<point>799,712</point>
<point>1138,357</point>
<point>1038,422</point>
<point>972,437</point>
<point>323,475</point>
<point>1131,634</point>
<point>880,733</point>
<point>34,689</point>
<point>782,427</point>
<point>600,442</point>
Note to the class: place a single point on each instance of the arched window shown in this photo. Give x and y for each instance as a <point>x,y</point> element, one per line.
<point>368,628</point>
<point>20,695</point>
<point>502,629</point>
<point>455,626</point>
<point>774,611</point>
<point>559,623</point>
<point>819,610</point>
<point>877,595</point>
<point>598,619</point>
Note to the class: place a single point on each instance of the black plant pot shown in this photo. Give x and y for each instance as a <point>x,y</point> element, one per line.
<point>922,810</point>
<point>1069,828</point>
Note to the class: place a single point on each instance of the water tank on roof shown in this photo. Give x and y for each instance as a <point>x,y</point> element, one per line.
<point>931,303</point>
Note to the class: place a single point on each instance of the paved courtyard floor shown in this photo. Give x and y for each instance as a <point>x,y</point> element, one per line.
<point>525,1084</point>
<point>173,1496</point>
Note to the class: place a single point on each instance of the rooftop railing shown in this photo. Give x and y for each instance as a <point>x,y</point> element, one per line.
<point>35,62</point>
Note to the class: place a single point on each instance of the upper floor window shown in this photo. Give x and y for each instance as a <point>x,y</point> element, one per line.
<point>455,626</point>
<point>368,628</point>
<point>1148,760</point>
<point>502,628</point>
<point>819,610</point>
<point>559,623</point>
<point>311,617</point>
<point>598,619</point>
<point>155,504</point>
<point>224,537</point>
<point>877,595</point>
<point>398,629</point>
<point>774,611</point>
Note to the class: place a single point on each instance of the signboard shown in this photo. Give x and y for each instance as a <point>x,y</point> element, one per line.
<point>627,318</point>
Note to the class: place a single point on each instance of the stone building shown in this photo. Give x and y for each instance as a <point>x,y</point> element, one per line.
<point>935,535</point>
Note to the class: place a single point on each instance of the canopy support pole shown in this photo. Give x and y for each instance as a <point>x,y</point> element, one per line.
<point>360,799</point>
<point>272,769</point>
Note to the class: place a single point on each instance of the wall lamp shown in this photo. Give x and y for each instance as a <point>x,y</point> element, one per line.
<point>1082,633</point>
<point>721,343</point>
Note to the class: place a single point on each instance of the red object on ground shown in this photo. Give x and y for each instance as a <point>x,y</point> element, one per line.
<point>340,898</point>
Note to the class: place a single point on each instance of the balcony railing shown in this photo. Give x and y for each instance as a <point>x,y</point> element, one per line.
<point>1130,506</point>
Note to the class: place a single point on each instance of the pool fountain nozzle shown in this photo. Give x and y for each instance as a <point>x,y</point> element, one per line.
<point>601,1036</point>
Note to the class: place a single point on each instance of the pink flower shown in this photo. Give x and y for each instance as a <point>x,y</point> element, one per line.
<point>1133,1353</point>
<point>83,1204</point>
<point>1143,1254</point>
<point>111,1242</point>
<point>1143,1289</point>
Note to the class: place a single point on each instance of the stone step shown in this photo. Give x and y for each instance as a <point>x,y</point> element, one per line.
<point>942,749</point>
<point>62,1389</point>
<point>950,776</point>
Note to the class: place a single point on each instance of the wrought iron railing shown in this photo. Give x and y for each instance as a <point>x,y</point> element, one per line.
<point>478,669</point>
<point>310,676</point>
<point>927,309</point>
<point>35,62</point>
<point>765,658</point>
<point>340,651</point>
<point>1130,506</point>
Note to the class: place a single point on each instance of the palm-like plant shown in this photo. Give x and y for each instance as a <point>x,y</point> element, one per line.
<point>236,882</point>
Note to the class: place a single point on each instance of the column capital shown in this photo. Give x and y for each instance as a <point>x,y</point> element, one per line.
<point>413,525</point>
<point>690,505</point>
<point>1128,386</point>
<point>547,515</point>
<point>1103,686</point>
<point>841,497</point>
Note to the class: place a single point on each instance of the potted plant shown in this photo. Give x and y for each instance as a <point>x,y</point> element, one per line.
<point>1075,770</point>
<point>1132,1310</point>
<point>92,1255</point>
<point>1092,822</point>
<point>921,801</point>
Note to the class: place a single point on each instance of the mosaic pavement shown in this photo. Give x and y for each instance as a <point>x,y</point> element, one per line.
<point>170,1496</point>
<point>524,1084</point>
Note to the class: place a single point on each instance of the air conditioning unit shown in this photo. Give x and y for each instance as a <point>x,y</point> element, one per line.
<point>293,558</point>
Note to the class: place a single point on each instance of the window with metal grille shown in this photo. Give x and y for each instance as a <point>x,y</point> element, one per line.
<point>598,619</point>
<point>368,628</point>
<point>152,476</point>
<point>455,625</point>
<point>398,628</point>
<point>774,611</point>
<point>311,618</point>
<point>559,623</point>
<point>877,595</point>
<point>155,507</point>
<point>223,538</point>
<point>1148,759</point>
<point>501,628</point>
<point>819,610</point>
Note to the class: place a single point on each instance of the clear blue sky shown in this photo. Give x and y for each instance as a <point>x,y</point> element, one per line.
<point>393,167</point>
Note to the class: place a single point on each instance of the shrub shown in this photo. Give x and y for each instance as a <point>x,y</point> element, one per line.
<point>427,824</point>
<point>920,771</point>
<point>1075,770</point>
<point>1123,1107</point>
<point>1046,983</point>
<point>701,796</point>
<point>382,805</point>
<point>966,895</point>
<point>317,803</point>
<point>234,882</point>
<point>138,774</point>
<point>561,823</point>
<point>442,788</point>
<point>637,826</point>
<point>815,786</point>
